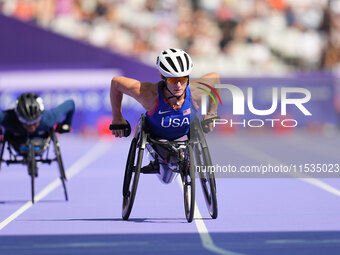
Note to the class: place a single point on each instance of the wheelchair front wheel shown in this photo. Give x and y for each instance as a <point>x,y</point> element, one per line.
<point>207,179</point>
<point>188,180</point>
<point>131,177</point>
<point>60,163</point>
<point>32,169</point>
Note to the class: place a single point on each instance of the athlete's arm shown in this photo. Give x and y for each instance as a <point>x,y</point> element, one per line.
<point>144,92</point>
<point>197,86</point>
<point>52,117</point>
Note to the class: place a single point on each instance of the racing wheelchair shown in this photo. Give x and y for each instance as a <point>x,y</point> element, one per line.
<point>178,157</point>
<point>30,152</point>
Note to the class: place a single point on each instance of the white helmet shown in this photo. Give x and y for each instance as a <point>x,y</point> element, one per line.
<point>174,63</point>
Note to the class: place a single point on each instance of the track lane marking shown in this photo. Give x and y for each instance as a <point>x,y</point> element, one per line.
<point>97,151</point>
<point>206,239</point>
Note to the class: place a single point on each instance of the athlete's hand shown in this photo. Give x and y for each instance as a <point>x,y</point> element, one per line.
<point>208,123</point>
<point>207,127</point>
<point>123,132</point>
<point>63,128</point>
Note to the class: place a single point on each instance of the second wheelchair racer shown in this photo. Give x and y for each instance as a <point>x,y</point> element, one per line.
<point>30,119</point>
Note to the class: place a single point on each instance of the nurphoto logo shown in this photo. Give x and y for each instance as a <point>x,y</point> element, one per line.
<point>282,95</point>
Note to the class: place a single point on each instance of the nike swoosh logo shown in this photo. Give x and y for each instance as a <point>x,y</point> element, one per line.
<point>160,112</point>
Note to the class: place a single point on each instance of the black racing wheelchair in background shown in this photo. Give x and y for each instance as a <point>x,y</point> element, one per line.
<point>32,151</point>
<point>181,157</point>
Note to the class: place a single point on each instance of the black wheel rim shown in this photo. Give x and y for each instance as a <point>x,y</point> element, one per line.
<point>188,181</point>
<point>131,177</point>
<point>60,164</point>
<point>207,179</point>
<point>32,169</point>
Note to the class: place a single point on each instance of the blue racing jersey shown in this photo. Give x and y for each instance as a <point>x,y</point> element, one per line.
<point>167,123</point>
<point>9,119</point>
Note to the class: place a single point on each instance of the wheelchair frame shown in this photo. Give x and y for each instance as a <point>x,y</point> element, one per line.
<point>31,154</point>
<point>186,152</point>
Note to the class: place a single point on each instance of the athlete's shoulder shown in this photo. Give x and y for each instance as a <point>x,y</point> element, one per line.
<point>207,79</point>
<point>149,87</point>
<point>200,85</point>
<point>8,115</point>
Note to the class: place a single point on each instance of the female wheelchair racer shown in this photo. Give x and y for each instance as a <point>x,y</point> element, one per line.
<point>28,130</point>
<point>168,117</point>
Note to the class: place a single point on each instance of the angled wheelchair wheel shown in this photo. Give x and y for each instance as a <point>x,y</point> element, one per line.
<point>207,180</point>
<point>60,162</point>
<point>188,180</point>
<point>207,177</point>
<point>32,168</point>
<point>131,176</point>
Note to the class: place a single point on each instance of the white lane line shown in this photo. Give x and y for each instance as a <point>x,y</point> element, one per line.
<point>97,151</point>
<point>206,239</point>
<point>259,156</point>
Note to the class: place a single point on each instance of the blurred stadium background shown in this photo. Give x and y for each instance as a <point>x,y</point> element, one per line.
<point>72,48</point>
